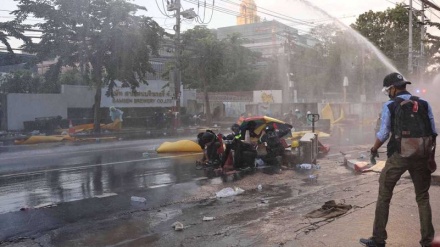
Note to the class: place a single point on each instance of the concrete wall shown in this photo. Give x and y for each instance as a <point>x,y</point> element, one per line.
<point>72,93</point>
<point>26,107</point>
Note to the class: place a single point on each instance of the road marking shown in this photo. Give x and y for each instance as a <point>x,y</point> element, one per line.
<point>94,165</point>
<point>74,152</point>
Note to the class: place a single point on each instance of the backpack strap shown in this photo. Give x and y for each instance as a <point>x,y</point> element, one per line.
<point>398,100</point>
<point>415,98</point>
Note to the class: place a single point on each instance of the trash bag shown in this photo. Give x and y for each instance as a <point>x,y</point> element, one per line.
<point>226,192</point>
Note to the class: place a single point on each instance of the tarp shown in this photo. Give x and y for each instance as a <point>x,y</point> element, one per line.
<point>299,134</point>
<point>330,209</point>
<point>179,146</point>
<point>44,139</point>
<point>262,121</point>
<point>327,113</point>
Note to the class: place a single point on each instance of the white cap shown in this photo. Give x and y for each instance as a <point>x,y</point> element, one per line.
<point>309,112</point>
<point>296,109</point>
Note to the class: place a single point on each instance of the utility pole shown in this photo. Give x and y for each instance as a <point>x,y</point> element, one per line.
<point>410,40</point>
<point>422,45</point>
<point>177,56</point>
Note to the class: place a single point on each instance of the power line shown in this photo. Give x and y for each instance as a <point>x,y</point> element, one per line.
<point>160,9</point>
<point>217,8</point>
<point>270,13</point>
<point>198,19</point>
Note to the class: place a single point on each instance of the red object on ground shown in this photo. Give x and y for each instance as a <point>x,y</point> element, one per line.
<point>323,148</point>
<point>436,242</point>
<point>71,129</point>
<point>221,149</point>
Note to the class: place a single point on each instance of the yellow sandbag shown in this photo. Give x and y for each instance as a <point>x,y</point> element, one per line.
<point>116,125</point>
<point>43,139</point>
<point>179,146</point>
<point>299,134</point>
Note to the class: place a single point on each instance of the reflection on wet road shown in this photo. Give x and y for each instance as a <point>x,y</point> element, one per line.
<point>72,177</point>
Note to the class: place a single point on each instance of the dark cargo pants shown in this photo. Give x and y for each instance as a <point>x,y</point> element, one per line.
<point>421,177</point>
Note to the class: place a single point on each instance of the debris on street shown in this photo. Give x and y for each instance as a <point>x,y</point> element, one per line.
<point>177,226</point>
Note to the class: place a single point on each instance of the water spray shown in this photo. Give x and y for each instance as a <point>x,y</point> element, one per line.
<point>356,34</point>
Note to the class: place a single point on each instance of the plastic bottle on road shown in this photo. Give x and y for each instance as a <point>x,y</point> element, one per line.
<point>138,199</point>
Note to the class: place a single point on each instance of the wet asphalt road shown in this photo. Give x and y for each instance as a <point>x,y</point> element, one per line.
<point>87,182</point>
<point>93,181</point>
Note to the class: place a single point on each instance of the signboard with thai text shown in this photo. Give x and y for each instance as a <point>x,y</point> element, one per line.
<point>152,95</point>
<point>226,97</point>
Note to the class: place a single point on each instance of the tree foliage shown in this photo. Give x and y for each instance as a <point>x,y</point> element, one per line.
<point>12,29</point>
<point>433,46</point>
<point>202,61</point>
<point>213,65</point>
<point>104,39</point>
<point>22,81</point>
<point>320,70</point>
<point>388,30</point>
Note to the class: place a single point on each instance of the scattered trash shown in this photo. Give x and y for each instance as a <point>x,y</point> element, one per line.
<point>205,218</point>
<point>330,209</point>
<point>226,192</point>
<point>177,226</point>
<point>259,162</point>
<point>304,166</point>
<point>313,178</point>
<point>138,199</point>
<point>145,155</point>
<point>308,166</point>
<point>45,205</point>
<point>260,187</point>
<point>35,132</point>
<point>264,201</point>
<point>362,156</point>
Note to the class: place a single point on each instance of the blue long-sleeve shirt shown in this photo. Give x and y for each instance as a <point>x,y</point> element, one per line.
<point>385,125</point>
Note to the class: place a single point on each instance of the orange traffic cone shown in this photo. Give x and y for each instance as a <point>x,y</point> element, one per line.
<point>71,129</point>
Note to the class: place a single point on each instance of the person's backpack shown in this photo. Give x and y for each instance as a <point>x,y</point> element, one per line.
<point>412,128</point>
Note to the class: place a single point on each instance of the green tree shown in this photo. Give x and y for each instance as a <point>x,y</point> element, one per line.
<point>12,29</point>
<point>240,63</point>
<point>388,30</point>
<point>433,46</point>
<point>104,39</point>
<point>21,82</point>
<point>202,61</point>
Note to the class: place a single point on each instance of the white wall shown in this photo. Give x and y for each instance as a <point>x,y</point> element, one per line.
<point>71,94</point>
<point>26,107</point>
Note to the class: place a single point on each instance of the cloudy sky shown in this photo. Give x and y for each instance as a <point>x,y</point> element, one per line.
<point>292,11</point>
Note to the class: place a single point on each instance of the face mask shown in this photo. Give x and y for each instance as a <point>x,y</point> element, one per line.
<point>387,91</point>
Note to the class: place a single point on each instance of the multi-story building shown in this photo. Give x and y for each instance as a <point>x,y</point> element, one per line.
<point>267,37</point>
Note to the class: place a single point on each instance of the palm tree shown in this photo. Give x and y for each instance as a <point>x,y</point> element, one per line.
<point>12,29</point>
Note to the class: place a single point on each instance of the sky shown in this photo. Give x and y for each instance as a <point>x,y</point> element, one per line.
<point>344,10</point>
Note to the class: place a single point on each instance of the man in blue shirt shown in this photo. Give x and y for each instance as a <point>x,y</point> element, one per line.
<point>395,86</point>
